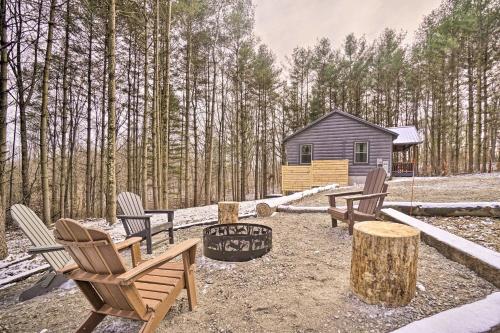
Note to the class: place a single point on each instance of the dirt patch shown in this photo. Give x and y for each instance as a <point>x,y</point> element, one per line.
<point>479,187</point>
<point>481,230</point>
<point>302,285</point>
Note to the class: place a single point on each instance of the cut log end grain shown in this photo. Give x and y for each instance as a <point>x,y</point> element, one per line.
<point>384,262</point>
<point>228,212</point>
<point>264,210</point>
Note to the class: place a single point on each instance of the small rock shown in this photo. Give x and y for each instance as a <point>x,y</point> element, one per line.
<point>420,286</point>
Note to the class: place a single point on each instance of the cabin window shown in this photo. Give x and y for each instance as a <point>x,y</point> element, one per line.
<point>305,154</point>
<point>361,152</point>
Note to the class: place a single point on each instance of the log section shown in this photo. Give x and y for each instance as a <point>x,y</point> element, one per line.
<point>384,262</point>
<point>228,212</point>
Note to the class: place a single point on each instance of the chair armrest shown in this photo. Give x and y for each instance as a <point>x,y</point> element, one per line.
<point>123,245</point>
<point>366,196</point>
<point>342,194</point>
<point>45,249</point>
<point>135,273</point>
<point>170,213</point>
<point>158,211</point>
<point>133,217</point>
<point>68,268</point>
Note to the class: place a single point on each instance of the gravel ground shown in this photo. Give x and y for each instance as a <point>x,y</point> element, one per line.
<point>481,230</point>
<point>302,285</point>
<point>478,187</point>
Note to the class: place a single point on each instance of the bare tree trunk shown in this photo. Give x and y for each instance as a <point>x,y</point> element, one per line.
<point>44,119</point>
<point>3,125</point>
<point>144,147</point>
<point>209,136</point>
<point>470,115</point>
<point>102,188</point>
<point>130,159</point>
<point>166,109</point>
<point>24,99</point>
<point>64,115</point>
<point>195,136</point>
<point>111,192</point>
<point>154,111</point>
<point>88,173</point>
<point>186,116</point>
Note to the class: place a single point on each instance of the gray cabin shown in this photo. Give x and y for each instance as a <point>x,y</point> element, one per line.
<point>339,136</point>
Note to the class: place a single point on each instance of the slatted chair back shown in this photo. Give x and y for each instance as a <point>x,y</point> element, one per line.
<point>39,235</point>
<point>375,183</point>
<point>130,204</point>
<point>95,254</point>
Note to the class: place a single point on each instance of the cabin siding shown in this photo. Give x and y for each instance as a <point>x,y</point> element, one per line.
<point>333,139</point>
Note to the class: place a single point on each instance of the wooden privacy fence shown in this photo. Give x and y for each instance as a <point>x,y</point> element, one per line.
<point>318,173</point>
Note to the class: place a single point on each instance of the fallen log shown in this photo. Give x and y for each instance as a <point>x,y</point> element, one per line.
<point>10,263</point>
<point>301,209</point>
<point>482,209</point>
<point>24,275</point>
<point>267,207</point>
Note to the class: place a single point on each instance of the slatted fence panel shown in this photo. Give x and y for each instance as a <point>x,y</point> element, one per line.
<point>296,177</point>
<point>319,173</point>
<point>330,172</point>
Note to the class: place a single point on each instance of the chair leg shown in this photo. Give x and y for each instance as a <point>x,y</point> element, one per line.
<point>151,325</point>
<point>91,322</point>
<point>149,244</point>
<point>351,224</point>
<point>171,235</point>
<point>334,222</point>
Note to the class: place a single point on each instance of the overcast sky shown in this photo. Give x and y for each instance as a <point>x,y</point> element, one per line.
<point>285,24</point>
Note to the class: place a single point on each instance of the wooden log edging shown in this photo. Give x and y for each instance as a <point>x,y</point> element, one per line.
<point>266,207</point>
<point>25,274</point>
<point>450,209</point>
<point>480,316</point>
<point>483,261</point>
<point>481,208</point>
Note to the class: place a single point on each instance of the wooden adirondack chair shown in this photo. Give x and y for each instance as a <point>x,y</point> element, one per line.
<point>143,293</point>
<point>137,221</point>
<point>371,199</point>
<point>45,244</point>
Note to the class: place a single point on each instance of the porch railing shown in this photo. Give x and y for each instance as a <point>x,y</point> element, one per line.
<point>402,169</point>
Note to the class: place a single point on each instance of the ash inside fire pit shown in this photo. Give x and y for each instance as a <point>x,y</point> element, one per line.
<point>237,241</point>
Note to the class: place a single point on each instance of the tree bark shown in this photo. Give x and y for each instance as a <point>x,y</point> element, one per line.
<point>46,217</point>
<point>64,115</point>
<point>111,179</point>
<point>384,262</point>
<point>3,125</point>
<point>88,173</point>
<point>166,109</point>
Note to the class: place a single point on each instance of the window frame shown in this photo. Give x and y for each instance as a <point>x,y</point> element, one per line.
<point>367,152</point>
<point>300,153</point>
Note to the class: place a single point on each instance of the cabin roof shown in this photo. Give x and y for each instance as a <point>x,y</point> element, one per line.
<point>320,119</point>
<point>408,135</point>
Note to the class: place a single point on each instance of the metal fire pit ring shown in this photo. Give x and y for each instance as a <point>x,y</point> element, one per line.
<point>237,241</point>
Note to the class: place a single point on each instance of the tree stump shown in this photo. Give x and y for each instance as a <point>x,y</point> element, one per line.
<point>384,262</point>
<point>228,212</point>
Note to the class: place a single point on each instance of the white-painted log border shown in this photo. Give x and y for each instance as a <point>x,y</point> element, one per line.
<point>484,209</point>
<point>483,261</point>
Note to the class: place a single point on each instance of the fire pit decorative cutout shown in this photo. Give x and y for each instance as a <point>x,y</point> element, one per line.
<point>237,241</point>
